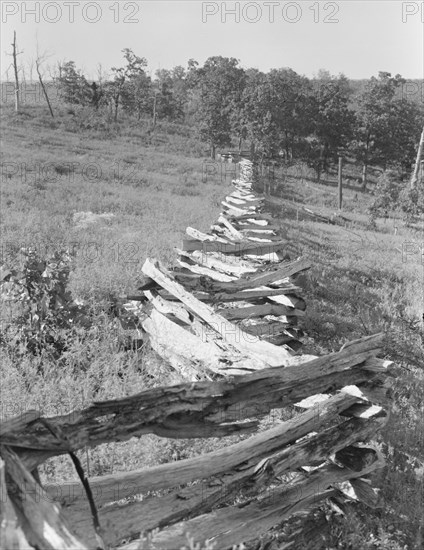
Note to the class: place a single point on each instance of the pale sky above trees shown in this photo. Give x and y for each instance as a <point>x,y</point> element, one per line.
<point>359,38</point>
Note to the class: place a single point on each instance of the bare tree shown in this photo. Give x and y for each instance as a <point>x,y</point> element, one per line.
<point>15,54</point>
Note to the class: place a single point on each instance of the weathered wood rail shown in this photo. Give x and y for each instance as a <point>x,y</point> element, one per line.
<point>236,375</point>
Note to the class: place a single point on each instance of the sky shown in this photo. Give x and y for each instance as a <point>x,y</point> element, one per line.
<point>357,38</point>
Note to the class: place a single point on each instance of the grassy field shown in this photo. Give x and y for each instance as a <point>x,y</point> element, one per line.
<point>118,193</point>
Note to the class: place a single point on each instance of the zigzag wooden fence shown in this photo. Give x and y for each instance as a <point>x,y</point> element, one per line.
<point>195,316</point>
<point>235,283</point>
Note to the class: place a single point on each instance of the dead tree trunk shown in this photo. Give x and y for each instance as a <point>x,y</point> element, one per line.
<point>15,69</point>
<point>37,66</point>
<point>414,179</point>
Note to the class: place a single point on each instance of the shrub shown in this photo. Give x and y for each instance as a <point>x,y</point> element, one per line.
<point>391,194</point>
<point>386,193</point>
<point>43,313</point>
<point>73,86</point>
<point>99,123</point>
<point>411,202</point>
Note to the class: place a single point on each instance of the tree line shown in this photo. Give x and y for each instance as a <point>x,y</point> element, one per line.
<point>278,114</point>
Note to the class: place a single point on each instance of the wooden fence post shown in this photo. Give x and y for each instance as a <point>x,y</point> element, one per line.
<point>340,183</point>
<point>414,178</point>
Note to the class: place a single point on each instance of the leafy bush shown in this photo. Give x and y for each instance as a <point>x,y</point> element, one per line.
<point>42,311</point>
<point>386,193</point>
<point>73,86</point>
<point>99,123</point>
<point>411,202</point>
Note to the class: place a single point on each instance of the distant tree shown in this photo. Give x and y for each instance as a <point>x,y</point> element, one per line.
<point>333,119</point>
<point>137,95</point>
<point>374,119</point>
<point>72,84</point>
<point>192,74</point>
<point>323,75</point>
<point>218,86</point>
<point>293,116</point>
<point>276,111</point>
<point>180,91</point>
<point>192,91</point>
<point>405,121</point>
<point>131,85</point>
<point>258,114</point>
<point>170,100</point>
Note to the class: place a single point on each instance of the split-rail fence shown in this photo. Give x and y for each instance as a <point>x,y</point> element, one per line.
<point>227,318</point>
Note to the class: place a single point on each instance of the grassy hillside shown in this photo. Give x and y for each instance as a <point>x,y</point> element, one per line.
<point>131,195</point>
